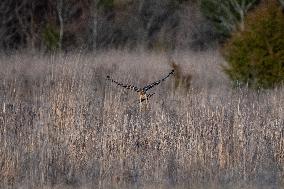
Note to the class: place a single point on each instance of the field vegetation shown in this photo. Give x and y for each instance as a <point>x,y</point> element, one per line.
<point>64,126</point>
<point>217,122</point>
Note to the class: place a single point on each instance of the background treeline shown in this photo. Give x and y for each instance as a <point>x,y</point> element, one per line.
<point>96,24</point>
<point>92,24</point>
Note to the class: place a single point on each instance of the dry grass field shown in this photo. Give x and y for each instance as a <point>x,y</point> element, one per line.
<point>62,125</point>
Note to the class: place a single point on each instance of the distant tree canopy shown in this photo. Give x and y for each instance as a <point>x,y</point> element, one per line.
<point>91,24</point>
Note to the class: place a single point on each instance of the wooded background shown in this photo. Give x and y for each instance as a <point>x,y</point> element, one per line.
<point>95,24</point>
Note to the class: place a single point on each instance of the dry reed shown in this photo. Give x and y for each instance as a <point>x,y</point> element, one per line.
<point>64,126</point>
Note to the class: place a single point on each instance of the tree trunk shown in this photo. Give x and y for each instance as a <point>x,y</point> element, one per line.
<point>94,25</point>
<point>61,22</point>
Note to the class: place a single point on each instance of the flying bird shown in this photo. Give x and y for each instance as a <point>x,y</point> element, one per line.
<point>143,95</point>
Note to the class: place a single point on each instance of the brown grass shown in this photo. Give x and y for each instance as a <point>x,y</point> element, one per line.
<point>64,126</point>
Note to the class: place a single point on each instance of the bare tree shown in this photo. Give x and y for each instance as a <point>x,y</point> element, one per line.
<point>241,8</point>
<point>227,15</point>
<point>24,12</point>
<point>193,30</point>
<point>59,8</point>
<point>6,17</point>
<point>94,24</point>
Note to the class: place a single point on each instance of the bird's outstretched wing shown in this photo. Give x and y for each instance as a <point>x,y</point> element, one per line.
<point>131,87</point>
<point>146,88</point>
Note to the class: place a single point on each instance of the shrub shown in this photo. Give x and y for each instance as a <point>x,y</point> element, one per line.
<point>51,37</point>
<point>255,56</point>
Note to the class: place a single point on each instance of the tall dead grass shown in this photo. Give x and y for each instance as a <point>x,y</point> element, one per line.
<point>64,126</point>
